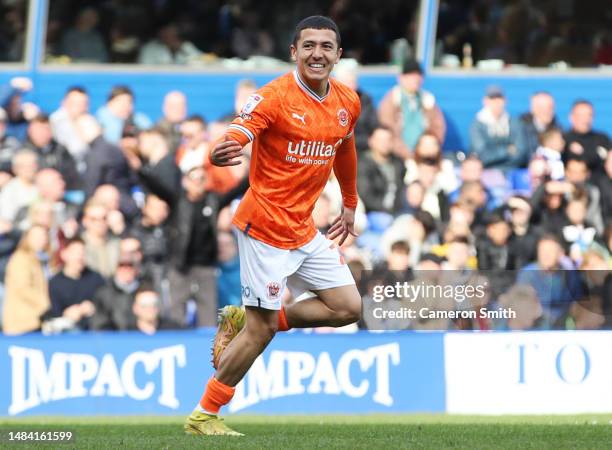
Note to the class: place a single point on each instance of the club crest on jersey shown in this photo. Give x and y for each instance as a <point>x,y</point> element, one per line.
<point>251,103</point>
<point>343,118</point>
<point>273,290</point>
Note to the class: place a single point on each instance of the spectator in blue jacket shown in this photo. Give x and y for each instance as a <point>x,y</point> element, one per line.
<point>118,115</point>
<point>550,275</point>
<point>496,138</point>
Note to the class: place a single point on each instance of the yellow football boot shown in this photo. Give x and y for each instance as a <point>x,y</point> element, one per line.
<point>202,424</point>
<point>231,321</point>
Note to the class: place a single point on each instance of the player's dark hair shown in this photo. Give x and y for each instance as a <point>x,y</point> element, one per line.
<point>316,23</point>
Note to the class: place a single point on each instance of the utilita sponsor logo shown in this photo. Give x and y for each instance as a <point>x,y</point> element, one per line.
<point>312,148</point>
<point>297,373</point>
<point>316,153</point>
<point>74,375</point>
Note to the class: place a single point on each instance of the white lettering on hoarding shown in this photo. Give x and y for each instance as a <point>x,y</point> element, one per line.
<point>295,373</point>
<point>536,372</point>
<point>68,375</point>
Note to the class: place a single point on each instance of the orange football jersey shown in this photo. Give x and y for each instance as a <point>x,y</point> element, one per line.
<point>298,137</point>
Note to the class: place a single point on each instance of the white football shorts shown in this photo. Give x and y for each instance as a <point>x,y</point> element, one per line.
<point>265,270</point>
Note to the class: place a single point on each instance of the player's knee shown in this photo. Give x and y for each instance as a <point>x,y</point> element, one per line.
<point>352,313</point>
<point>263,332</point>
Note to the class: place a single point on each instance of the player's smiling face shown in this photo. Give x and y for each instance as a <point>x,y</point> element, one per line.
<point>316,52</point>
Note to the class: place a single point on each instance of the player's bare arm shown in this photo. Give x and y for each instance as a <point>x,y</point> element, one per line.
<point>226,153</point>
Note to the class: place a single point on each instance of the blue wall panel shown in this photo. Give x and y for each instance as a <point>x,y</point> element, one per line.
<point>212,94</point>
<point>129,373</point>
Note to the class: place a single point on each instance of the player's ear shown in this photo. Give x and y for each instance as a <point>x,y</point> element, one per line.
<point>338,55</point>
<point>293,52</point>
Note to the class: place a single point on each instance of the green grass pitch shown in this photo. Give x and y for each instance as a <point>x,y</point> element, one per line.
<point>329,432</point>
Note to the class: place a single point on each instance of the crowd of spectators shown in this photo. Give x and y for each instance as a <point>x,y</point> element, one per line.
<point>13,25</point>
<point>469,32</point>
<point>110,220</point>
<point>527,206</point>
<point>187,32</point>
<point>518,32</point>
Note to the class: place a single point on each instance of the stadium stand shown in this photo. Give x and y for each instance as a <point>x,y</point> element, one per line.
<point>480,185</point>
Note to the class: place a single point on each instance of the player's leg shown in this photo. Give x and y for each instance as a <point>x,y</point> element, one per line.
<point>262,281</point>
<point>324,272</point>
<point>333,307</point>
<point>235,361</point>
<point>261,326</point>
<point>242,341</point>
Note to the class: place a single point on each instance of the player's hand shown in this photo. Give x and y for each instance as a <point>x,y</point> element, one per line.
<point>225,154</point>
<point>343,226</point>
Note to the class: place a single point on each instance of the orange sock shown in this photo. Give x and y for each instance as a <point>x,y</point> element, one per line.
<point>216,395</point>
<point>282,320</point>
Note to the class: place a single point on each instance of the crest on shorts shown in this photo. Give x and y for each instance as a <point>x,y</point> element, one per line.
<point>273,290</point>
<point>251,103</point>
<point>343,117</point>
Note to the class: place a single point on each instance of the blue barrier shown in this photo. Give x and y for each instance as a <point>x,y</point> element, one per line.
<point>548,372</point>
<point>212,95</point>
<point>128,373</point>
